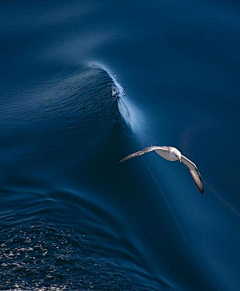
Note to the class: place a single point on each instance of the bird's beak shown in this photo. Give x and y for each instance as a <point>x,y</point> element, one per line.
<point>180,159</point>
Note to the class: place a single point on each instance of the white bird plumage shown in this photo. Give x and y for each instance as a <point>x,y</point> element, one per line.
<point>172,154</point>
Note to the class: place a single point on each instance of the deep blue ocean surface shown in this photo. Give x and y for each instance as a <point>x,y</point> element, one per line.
<point>85,83</point>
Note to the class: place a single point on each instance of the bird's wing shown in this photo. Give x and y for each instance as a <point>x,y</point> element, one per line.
<point>142,152</point>
<point>194,173</point>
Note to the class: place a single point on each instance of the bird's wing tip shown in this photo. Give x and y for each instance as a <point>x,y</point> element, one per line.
<point>122,160</point>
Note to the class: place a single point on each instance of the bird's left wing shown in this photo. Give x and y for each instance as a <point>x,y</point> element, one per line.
<point>194,173</point>
<point>142,152</point>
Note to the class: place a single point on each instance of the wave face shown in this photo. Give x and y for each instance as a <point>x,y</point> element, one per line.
<point>85,83</point>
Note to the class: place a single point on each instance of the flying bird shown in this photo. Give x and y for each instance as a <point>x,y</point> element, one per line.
<point>172,154</point>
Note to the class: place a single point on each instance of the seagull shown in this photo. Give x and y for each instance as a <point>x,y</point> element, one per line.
<point>172,154</point>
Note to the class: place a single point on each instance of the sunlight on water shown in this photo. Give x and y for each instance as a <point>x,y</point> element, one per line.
<point>85,83</point>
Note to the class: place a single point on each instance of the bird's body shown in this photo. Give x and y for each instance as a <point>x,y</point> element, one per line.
<point>172,154</point>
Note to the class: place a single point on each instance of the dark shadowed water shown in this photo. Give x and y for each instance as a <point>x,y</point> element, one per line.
<point>84,83</point>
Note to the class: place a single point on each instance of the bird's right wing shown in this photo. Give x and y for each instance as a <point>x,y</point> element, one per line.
<point>194,173</point>
<point>142,152</point>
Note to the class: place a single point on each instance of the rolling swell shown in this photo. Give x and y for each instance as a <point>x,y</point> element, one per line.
<point>58,232</point>
<point>65,122</point>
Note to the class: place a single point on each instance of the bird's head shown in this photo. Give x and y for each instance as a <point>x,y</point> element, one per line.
<point>177,156</point>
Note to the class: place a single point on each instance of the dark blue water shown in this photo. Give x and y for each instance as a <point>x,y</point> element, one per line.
<point>84,83</point>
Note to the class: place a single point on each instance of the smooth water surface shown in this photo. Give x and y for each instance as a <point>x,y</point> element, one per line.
<point>84,83</point>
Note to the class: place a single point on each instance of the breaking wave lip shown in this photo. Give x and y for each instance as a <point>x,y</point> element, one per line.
<point>132,116</point>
